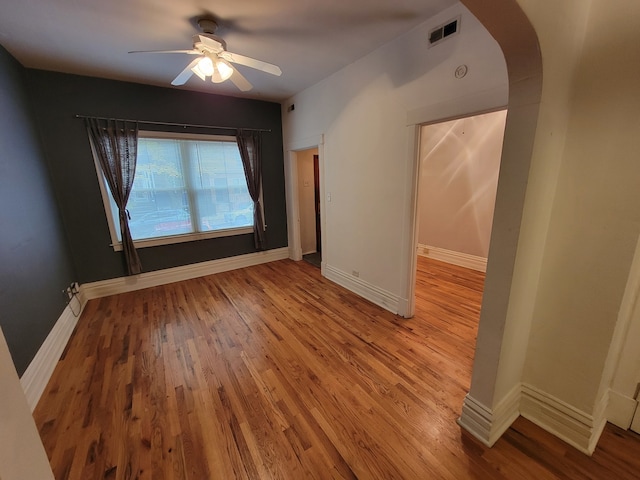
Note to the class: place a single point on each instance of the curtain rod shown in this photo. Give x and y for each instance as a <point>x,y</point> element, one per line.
<point>170,124</point>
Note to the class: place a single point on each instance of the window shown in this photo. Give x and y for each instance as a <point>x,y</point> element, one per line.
<point>186,187</point>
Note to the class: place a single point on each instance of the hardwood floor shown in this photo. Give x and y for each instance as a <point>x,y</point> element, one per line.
<point>275,372</point>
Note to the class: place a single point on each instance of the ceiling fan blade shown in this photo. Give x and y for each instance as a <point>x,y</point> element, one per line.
<point>185,74</point>
<point>190,52</point>
<point>239,81</point>
<point>251,62</point>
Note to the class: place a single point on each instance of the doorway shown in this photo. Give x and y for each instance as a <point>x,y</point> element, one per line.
<point>459,166</point>
<point>309,202</point>
<point>459,162</point>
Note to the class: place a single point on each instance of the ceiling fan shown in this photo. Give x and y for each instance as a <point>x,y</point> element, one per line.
<point>214,60</point>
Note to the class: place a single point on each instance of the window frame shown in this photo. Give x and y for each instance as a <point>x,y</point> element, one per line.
<point>116,244</point>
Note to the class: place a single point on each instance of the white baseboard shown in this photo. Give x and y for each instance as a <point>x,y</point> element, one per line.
<point>488,425</point>
<point>403,308</point>
<point>566,422</point>
<point>295,253</point>
<point>599,421</point>
<point>372,293</point>
<point>161,277</point>
<point>621,409</point>
<point>37,375</point>
<point>456,258</point>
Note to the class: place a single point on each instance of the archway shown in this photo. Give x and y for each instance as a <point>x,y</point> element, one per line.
<point>492,403</point>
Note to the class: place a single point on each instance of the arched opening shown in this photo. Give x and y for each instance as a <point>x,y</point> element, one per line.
<point>490,406</point>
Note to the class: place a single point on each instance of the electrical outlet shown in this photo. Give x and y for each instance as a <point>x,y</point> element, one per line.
<point>355,273</point>
<point>72,290</point>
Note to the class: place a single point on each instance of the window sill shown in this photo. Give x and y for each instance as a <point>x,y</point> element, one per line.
<point>187,237</point>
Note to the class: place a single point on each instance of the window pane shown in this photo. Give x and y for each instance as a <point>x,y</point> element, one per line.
<point>220,189</point>
<point>186,186</point>
<point>159,204</point>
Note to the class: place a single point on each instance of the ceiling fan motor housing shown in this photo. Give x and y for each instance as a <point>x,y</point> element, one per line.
<point>208,25</point>
<point>209,47</point>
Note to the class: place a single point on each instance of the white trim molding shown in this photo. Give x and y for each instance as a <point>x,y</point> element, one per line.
<point>404,308</point>
<point>161,277</point>
<point>456,258</point>
<point>486,101</point>
<point>380,297</point>
<point>621,409</point>
<point>291,184</point>
<point>566,422</point>
<point>488,425</point>
<point>37,375</point>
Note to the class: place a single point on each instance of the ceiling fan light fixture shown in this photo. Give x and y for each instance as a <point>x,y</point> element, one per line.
<point>221,71</point>
<point>204,68</point>
<point>198,73</point>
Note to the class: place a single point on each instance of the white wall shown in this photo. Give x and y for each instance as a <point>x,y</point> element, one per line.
<point>459,165</point>
<point>595,221</point>
<point>558,344</point>
<point>363,111</point>
<point>306,199</point>
<point>22,455</point>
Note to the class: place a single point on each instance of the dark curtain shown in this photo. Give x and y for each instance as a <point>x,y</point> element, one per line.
<point>250,151</point>
<point>116,143</point>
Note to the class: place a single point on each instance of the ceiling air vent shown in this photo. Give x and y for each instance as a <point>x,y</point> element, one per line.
<point>443,31</point>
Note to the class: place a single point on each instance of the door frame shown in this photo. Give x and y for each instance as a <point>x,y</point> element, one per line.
<point>484,102</point>
<point>317,198</point>
<point>292,198</point>
<point>416,207</point>
<point>622,369</point>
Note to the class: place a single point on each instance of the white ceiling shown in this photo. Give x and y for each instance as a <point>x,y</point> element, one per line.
<point>308,39</point>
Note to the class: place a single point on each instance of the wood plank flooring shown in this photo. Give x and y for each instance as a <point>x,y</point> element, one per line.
<point>274,372</point>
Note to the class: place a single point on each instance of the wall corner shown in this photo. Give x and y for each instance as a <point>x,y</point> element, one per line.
<point>486,424</point>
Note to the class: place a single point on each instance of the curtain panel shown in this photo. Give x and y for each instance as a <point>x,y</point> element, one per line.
<point>116,143</point>
<point>249,144</point>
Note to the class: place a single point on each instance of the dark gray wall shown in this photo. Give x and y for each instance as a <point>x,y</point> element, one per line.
<point>57,98</point>
<point>34,261</point>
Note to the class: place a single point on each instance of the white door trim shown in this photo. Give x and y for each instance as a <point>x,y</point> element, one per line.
<point>292,198</point>
<point>623,362</point>
<point>483,102</point>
